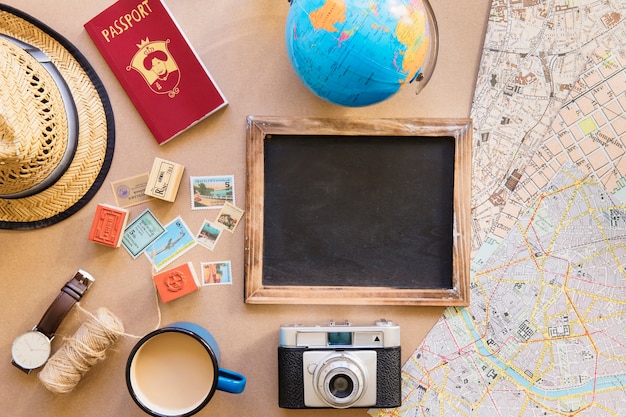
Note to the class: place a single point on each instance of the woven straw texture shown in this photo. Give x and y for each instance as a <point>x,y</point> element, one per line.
<point>32,118</point>
<point>35,154</point>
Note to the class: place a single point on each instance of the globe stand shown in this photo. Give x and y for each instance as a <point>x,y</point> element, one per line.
<point>430,60</point>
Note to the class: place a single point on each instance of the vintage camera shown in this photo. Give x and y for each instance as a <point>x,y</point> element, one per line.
<point>339,365</point>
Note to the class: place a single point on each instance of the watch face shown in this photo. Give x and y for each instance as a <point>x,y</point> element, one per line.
<point>31,350</point>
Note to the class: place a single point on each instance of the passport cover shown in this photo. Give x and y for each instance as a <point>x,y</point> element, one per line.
<point>158,68</point>
<point>175,282</point>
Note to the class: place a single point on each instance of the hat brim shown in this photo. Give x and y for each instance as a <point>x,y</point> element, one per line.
<point>96,130</point>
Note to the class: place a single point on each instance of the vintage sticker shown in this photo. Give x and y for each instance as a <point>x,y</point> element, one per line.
<point>229,217</point>
<point>176,240</point>
<point>141,232</point>
<point>212,192</point>
<point>131,191</point>
<point>214,273</point>
<point>209,234</point>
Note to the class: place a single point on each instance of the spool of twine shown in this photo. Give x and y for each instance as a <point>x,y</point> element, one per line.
<point>81,351</point>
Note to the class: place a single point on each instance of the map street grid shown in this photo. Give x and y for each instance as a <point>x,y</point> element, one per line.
<point>534,53</point>
<point>544,334</point>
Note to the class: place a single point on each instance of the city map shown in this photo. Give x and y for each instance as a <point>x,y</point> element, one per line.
<point>544,334</point>
<point>545,331</point>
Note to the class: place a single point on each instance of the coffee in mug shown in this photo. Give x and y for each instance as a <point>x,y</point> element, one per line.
<point>174,371</point>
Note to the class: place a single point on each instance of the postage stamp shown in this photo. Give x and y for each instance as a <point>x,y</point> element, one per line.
<point>214,273</point>
<point>229,217</point>
<point>176,240</point>
<point>208,235</point>
<point>212,192</point>
<point>141,232</point>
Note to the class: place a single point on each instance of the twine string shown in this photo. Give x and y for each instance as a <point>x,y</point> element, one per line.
<point>80,352</point>
<point>85,348</point>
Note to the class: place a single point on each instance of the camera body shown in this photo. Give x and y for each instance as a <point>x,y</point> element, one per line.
<point>339,365</point>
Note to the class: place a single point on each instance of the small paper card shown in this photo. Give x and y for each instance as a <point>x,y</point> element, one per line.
<point>141,232</point>
<point>208,235</point>
<point>131,191</point>
<point>212,192</point>
<point>176,240</point>
<point>216,273</point>
<point>229,217</point>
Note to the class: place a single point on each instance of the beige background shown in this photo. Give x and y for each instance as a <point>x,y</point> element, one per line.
<point>241,43</point>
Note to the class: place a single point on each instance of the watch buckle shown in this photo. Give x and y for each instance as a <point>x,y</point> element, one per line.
<point>84,278</point>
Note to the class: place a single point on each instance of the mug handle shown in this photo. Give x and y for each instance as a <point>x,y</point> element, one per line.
<point>230,381</point>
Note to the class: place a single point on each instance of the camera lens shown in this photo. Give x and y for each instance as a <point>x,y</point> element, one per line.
<point>341,386</point>
<point>340,379</point>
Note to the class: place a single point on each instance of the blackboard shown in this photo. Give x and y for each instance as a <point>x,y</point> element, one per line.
<point>357,211</point>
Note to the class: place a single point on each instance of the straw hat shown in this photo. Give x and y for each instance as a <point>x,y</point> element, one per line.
<point>56,125</point>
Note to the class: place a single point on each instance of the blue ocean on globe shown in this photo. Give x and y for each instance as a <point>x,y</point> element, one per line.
<point>357,52</point>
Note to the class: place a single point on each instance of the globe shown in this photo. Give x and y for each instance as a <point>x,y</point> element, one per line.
<point>360,52</point>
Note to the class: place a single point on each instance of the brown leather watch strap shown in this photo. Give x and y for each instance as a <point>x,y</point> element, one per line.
<point>71,292</point>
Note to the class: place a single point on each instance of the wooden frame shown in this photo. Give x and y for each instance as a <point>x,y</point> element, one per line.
<point>260,129</point>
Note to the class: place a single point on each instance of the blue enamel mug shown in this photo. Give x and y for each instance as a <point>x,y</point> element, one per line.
<point>174,371</point>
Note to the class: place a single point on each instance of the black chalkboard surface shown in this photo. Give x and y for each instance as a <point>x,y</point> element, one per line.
<point>357,212</point>
<point>349,210</point>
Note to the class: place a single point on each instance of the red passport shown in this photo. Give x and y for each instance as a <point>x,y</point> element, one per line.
<point>155,64</point>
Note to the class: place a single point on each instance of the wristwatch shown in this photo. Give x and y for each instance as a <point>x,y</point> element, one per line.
<point>32,349</point>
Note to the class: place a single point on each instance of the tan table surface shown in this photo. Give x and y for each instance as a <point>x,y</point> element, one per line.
<point>242,44</point>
